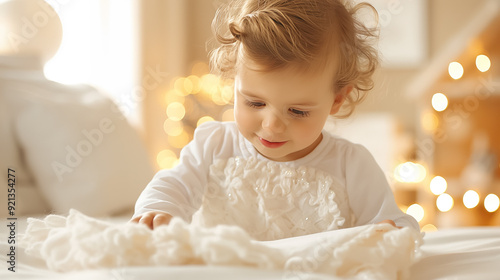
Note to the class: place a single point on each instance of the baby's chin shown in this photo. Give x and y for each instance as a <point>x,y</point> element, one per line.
<point>279,154</point>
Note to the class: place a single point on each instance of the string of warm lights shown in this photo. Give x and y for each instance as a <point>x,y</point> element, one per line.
<point>444,201</point>
<point>411,173</point>
<point>191,101</point>
<point>471,198</point>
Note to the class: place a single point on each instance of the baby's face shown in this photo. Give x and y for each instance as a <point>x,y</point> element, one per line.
<point>282,112</point>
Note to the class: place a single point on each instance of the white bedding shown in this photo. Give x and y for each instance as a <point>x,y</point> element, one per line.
<point>459,254</point>
<point>471,253</point>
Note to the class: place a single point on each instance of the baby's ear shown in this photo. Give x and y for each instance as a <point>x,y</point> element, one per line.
<point>340,98</point>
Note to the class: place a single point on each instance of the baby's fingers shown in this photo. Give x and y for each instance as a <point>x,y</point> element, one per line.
<point>391,222</point>
<point>161,219</point>
<point>146,219</point>
<point>153,219</point>
<point>135,220</point>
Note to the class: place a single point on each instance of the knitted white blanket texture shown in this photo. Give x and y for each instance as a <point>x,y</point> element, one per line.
<point>79,242</point>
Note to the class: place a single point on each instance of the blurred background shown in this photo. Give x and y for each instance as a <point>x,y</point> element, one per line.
<point>432,121</point>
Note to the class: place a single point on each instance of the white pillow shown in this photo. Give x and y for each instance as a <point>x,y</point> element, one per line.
<point>24,194</point>
<point>81,150</point>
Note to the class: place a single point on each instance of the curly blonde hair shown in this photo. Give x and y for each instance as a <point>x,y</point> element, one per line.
<point>277,33</point>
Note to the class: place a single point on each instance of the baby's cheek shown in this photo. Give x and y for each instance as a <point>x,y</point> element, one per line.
<point>239,116</point>
<point>311,128</point>
<point>245,121</point>
<point>308,132</point>
<point>245,116</point>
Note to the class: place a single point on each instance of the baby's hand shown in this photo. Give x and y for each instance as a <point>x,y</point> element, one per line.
<point>391,222</point>
<point>153,219</point>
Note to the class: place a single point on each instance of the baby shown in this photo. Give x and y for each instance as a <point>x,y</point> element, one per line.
<point>274,171</point>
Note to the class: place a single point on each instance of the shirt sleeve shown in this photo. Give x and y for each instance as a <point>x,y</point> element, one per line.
<point>370,197</point>
<point>179,191</point>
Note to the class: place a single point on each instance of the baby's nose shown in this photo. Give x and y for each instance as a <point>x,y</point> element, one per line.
<point>273,122</point>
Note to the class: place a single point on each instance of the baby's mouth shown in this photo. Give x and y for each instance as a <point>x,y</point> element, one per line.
<point>270,144</point>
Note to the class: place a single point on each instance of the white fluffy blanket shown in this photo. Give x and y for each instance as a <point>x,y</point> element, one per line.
<point>79,242</point>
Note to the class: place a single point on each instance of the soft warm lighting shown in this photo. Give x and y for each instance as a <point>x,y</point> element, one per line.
<point>410,172</point>
<point>196,83</point>
<point>491,203</point>
<point>174,96</point>
<point>203,120</point>
<point>483,63</point>
<point>166,159</point>
<point>227,94</point>
<point>184,85</point>
<point>403,208</point>
<point>200,68</point>
<point>187,85</point>
<point>176,111</point>
<point>416,211</point>
<point>444,202</point>
<point>471,199</point>
<point>179,141</point>
<point>210,84</point>
<point>88,54</point>
<point>429,122</point>
<point>173,128</point>
<point>439,102</point>
<point>165,153</point>
<point>429,228</point>
<point>168,163</point>
<point>438,185</point>
<point>57,70</point>
<point>217,99</point>
<point>456,70</point>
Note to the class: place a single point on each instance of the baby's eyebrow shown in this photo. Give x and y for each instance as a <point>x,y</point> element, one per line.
<point>248,94</point>
<point>302,105</point>
<point>306,104</point>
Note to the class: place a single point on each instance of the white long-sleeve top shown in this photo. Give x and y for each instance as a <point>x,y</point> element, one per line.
<point>222,179</point>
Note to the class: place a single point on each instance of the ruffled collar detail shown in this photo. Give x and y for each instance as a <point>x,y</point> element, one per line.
<point>272,200</point>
